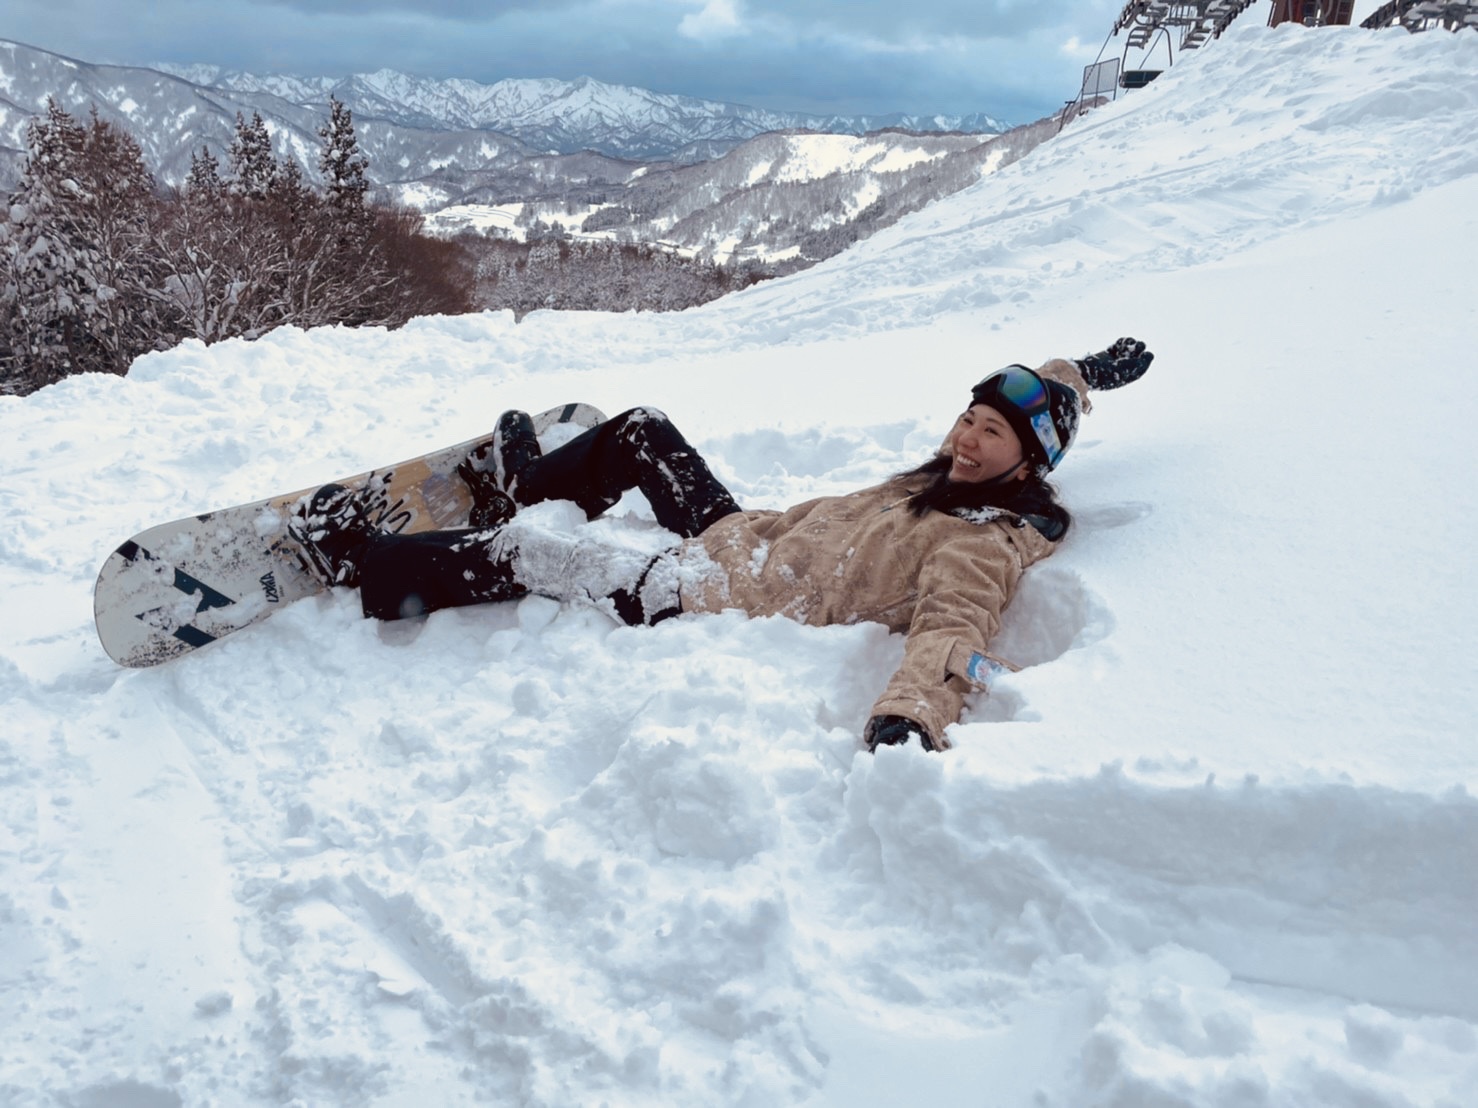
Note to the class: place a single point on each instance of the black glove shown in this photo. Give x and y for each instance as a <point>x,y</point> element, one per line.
<point>1124,361</point>
<point>894,731</point>
<point>491,506</point>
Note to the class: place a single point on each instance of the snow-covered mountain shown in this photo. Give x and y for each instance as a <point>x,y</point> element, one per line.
<point>783,197</point>
<point>485,150</point>
<point>565,117</point>
<point>1213,847</point>
<point>411,129</point>
<point>172,118</point>
<point>479,150</point>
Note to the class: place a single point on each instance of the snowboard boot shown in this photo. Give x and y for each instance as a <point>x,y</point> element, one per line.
<point>515,445</point>
<point>491,506</point>
<point>333,530</point>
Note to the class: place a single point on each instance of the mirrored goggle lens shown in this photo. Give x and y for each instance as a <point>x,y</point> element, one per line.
<point>1024,389</point>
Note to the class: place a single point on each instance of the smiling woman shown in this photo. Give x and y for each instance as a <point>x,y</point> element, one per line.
<point>934,553</point>
<point>1001,448</point>
<point>985,448</point>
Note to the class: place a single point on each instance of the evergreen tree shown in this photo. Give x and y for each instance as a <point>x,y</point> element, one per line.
<point>10,365</point>
<point>97,267</point>
<point>342,163</point>
<point>81,263</point>
<point>289,198</point>
<point>49,262</point>
<point>356,277</point>
<point>118,215</point>
<point>252,164</point>
<point>204,180</point>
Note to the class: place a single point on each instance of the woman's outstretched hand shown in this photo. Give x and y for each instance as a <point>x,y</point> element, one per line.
<point>894,731</point>
<point>1125,361</point>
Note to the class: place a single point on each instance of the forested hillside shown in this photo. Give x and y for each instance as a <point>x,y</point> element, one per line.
<point>99,264</point>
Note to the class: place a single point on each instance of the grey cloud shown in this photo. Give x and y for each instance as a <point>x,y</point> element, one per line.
<point>890,20</point>
<point>466,11</point>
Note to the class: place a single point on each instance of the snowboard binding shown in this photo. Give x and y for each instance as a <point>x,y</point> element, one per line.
<point>332,528</point>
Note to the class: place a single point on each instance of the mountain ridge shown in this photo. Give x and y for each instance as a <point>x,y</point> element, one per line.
<point>612,161</point>
<point>555,148</point>
<point>553,115</point>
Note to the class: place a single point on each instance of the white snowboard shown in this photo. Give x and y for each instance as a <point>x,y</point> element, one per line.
<point>181,585</point>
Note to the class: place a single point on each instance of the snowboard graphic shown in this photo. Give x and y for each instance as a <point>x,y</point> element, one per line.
<point>182,585</point>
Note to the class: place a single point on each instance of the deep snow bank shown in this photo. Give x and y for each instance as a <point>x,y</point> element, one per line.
<point>1214,846</point>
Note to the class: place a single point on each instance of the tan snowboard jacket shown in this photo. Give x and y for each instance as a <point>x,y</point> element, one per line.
<point>940,579</point>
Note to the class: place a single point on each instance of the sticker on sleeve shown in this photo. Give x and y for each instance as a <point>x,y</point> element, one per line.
<point>983,669</point>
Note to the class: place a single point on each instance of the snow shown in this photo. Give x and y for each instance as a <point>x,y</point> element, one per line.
<point>512,219</point>
<point>1214,845</point>
<point>420,195</point>
<point>477,217</point>
<point>809,157</point>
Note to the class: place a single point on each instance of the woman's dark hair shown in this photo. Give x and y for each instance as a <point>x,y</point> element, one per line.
<point>1032,499</point>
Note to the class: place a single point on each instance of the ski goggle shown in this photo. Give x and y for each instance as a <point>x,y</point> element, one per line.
<point>1024,391</point>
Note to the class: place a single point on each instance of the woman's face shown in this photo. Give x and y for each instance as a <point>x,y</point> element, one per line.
<point>984,447</point>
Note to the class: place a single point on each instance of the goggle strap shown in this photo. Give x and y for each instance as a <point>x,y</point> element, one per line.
<point>1047,435</point>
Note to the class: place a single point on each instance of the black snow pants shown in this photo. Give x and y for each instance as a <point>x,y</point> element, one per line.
<point>408,575</point>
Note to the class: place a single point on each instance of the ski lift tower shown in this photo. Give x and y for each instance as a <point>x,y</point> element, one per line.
<point>1186,25</point>
<point>1312,13</point>
<point>1425,15</point>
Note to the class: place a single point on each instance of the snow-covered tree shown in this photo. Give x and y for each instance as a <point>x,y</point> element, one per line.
<point>118,214</point>
<point>290,200</point>
<point>251,161</point>
<point>96,267</point>
<point>10,366</point>
<point>204,179</point>
<point>217,262</point>
<point>343,166</point>
<point>81,287</point>
<point>48,291</point>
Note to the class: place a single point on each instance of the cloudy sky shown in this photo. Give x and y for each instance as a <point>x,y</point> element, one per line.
<point>1015,59</point>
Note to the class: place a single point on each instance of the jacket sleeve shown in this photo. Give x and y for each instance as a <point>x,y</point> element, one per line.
<point>963,588</point>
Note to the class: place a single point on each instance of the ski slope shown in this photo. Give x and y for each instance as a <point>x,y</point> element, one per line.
<point>1216,844</point>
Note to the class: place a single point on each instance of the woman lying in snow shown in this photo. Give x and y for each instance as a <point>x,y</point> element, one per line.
<point>934,553</point>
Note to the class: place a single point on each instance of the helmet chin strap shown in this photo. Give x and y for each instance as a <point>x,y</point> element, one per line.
<point>998,479</point>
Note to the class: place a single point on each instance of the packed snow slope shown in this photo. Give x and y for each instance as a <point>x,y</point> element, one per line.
<point>1215,844</point>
